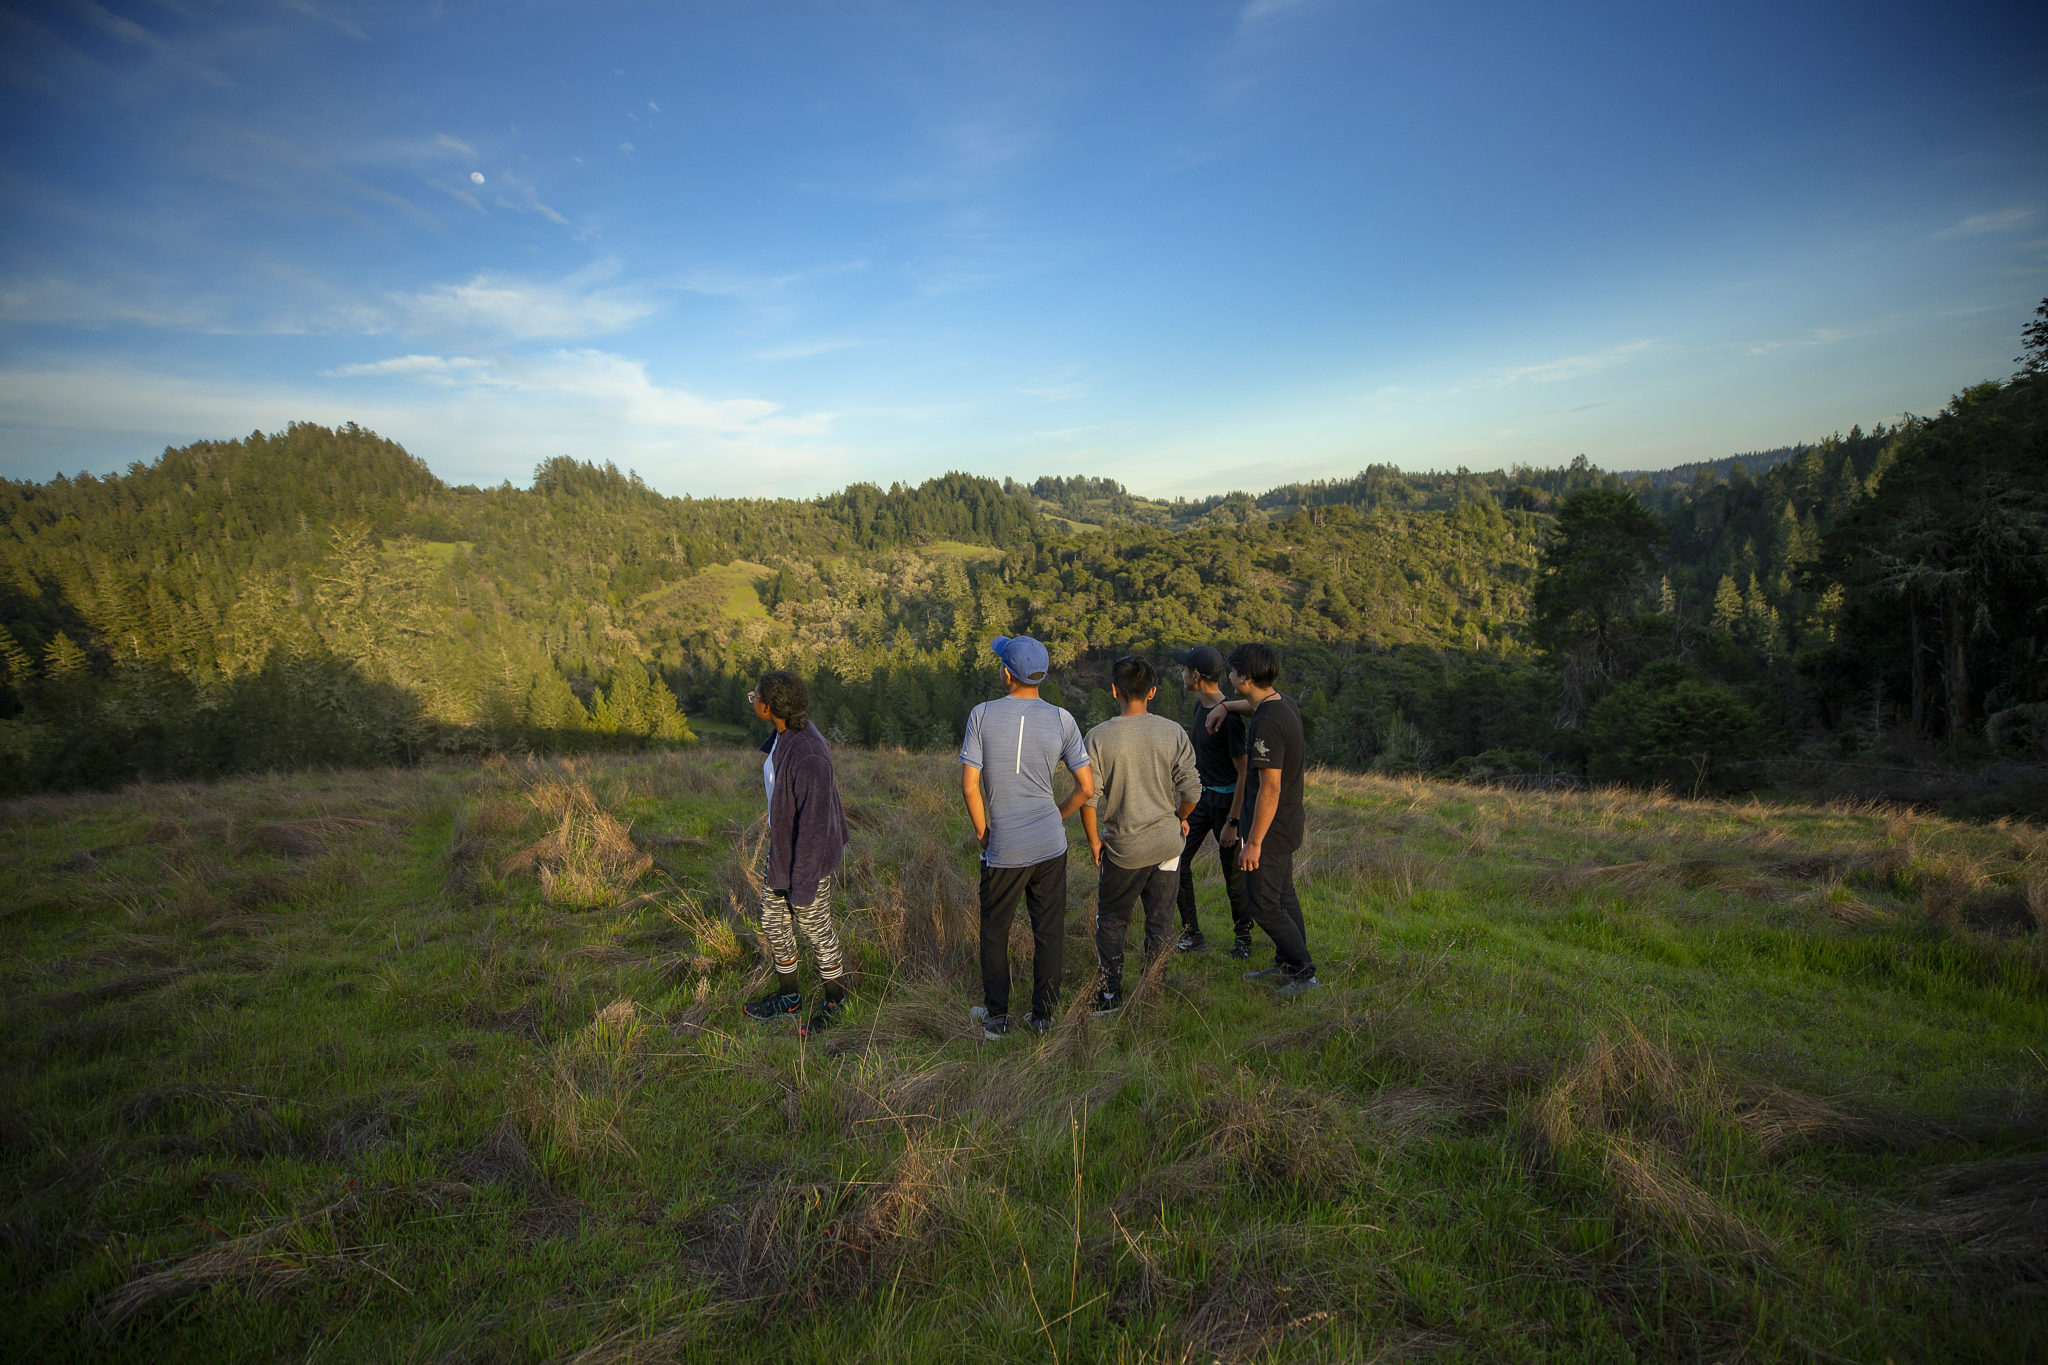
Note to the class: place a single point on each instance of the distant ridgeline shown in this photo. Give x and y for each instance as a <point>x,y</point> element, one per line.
<point>319,597</point>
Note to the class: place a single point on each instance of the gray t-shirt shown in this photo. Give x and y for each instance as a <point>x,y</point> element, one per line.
<point>1144,773</point>
<point>1017,742</point>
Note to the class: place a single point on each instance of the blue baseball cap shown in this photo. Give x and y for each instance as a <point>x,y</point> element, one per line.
<point>1023,656</point>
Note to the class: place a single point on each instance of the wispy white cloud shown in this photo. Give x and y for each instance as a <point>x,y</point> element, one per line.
<point>490,421</point>
<point>1978,224</point>
<point>346,27</point>
<point>128,31</point>
<point>617,384</point>
<point>1566,367</point>
<point>510,308</point>
<point>454,144</point>
<point>433,368</point>
<point>97,303</point>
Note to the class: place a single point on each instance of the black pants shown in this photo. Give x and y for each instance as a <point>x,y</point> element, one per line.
<point>1043,887</point>
<point>1208,817</point>
<point>1269,889</point>
<point>1119,890</point>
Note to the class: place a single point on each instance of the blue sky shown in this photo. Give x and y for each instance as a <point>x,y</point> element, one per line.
<point>747,248</point>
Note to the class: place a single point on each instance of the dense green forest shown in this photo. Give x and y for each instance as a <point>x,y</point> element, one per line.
<point>319,596</point>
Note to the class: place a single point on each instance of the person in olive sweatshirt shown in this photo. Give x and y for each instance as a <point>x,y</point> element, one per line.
<point>1137,822</point>
<point>806,837</point>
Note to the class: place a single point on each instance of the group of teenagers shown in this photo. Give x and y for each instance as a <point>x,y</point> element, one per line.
<point>1150,793</point>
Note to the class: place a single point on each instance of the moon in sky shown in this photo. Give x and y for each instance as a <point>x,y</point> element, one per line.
<point>477,177</point>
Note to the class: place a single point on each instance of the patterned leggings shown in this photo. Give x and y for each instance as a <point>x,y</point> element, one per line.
<point>814,919</point>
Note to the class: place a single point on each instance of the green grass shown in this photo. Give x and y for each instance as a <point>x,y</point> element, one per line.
<point>725,591</point>
<point>313,1067</point>
<point>956,549</point>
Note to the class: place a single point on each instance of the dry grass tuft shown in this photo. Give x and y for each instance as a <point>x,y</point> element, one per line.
<point>1987,1218</point>
<point>1781,1121</point>
<point>1643,877</point>
<point>1598,1114</point>
<point>922,1013</point>
<point>267,1261</point>
<point>1273,1138</point>
<point>299,840</point>
<point>589,860</point>
<point>571,1102</point>
<point>716,941</point>
<point>831,1238</point>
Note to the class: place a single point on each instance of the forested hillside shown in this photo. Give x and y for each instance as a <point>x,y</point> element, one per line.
<point>318,596</point>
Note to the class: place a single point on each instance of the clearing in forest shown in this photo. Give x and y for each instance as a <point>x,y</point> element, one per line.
<point>448,1062</point>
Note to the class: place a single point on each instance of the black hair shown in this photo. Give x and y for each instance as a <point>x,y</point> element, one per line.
<point>1256,662</point>
<point>1133,677</point>
<point>786,697</point>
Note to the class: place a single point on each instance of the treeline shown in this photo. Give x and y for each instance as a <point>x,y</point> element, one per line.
<point>318,596</point>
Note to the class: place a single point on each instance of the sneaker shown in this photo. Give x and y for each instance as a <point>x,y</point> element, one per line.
<point>775,1004</point>
<point>1300,984</point>
<point>1038,1023</point>
<point>1107,1002</point>
<point>1271,973</point>
<point>994,1027</point>
<point>1191,941</point>
<point>828,1013</point>
<point>1241,950</point>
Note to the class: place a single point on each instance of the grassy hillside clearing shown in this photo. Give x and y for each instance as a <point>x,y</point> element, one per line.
<point>447,1063</point>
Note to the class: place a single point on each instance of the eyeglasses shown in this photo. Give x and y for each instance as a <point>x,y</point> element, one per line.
<point>752,697</point>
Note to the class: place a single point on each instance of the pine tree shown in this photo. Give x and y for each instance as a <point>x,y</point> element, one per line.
<point>64,660</point>
<point>15,664</point>
<point>1728,609</point>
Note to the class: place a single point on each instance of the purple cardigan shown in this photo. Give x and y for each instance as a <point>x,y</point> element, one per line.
<point>806,827</point>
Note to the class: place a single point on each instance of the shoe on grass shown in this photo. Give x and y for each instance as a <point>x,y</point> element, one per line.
<point>994,1027</point>
<point>775,1004</point>
<point>828,1013</point>
<point>1241,950</point>
<point>1191,941</point>
<point>1301,984</point>
<point>1106,1002</point>
<point>1272,973</point>
<point>1038,1023</point>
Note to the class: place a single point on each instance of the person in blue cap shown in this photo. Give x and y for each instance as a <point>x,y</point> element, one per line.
<point>1013,746</point>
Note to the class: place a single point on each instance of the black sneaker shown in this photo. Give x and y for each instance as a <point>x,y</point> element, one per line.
<point>1037,1023</point>
<point>1276,972</point>
<point>828,1013</point>
<point>1107,1002</point>
<point>1191,941</point>
<point>775,1004</point>
<point>1241,950</point>
<point>994,1027</point>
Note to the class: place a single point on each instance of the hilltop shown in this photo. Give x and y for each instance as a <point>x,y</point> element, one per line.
<point>447,1061</point>
<point>320,596</point>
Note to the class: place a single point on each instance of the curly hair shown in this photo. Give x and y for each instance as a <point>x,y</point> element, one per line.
<point>786,697</point>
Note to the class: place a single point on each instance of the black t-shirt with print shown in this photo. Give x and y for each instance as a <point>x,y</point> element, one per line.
<point>1216,755</point>
<point>1274,739</point>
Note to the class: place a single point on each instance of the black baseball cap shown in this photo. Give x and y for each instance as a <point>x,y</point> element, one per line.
<point>1204,660</point>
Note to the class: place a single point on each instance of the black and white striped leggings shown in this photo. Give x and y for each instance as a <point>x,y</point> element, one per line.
<point>780,920</point>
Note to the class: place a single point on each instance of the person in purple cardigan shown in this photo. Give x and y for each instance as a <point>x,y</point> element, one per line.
<point>806,836</point>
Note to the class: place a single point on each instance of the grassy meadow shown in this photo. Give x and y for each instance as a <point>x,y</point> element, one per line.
<point>448,1063</point>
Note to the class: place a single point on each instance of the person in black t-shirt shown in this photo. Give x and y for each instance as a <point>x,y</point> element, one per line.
<point>1275,755</point>
<point>1219,758</point>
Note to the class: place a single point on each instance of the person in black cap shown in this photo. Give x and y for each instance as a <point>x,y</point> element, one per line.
<point>1219,758</point>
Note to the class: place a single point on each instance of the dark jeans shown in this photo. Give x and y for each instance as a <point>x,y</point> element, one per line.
<point>1043,887</point>
<point>1207,818</point>
<point>1119,890</point>
<point>1269,888</point>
